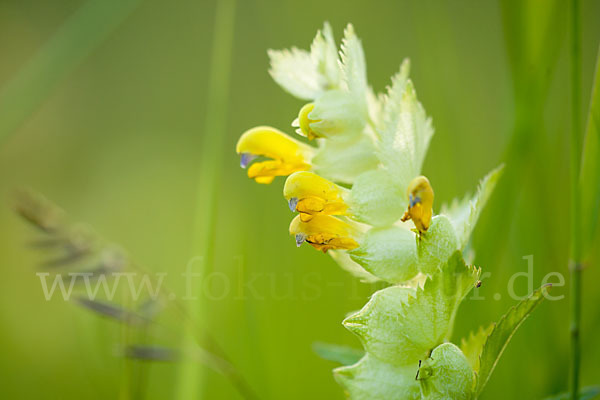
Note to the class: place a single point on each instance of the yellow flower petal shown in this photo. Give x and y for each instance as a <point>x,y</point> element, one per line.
<point>304,121</point>
<point>325,232</point>
<point>420,203</point>
<point>285,154</point>
<point>310,194</point>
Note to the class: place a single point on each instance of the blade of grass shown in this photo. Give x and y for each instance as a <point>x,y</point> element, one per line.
<point>533,50</point>
<point>589,178</point>
<point>86,29</point>
<point>575,163</point>
<point>209,175</point>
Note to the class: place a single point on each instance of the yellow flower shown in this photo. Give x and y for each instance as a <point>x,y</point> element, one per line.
<point>286,154</point>
<point>420,203</point>
<point>310,195</point>
<point>325,232</point>
<point>304,122</point>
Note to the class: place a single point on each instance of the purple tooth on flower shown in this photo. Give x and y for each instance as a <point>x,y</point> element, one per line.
<point>245,159</point>
<point>293,203</point>
<point>300,238</point>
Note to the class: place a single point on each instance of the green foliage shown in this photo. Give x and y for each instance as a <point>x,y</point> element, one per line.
<point>472,345</point>
<point>434,248</point>
<point>586,393</point>
<point>388,253</point>
<point>344,112</point>
<point>590,168</point>
<point>372,379</point>
<point>376,199</point>
<point>446,374</point>
<point>304,74</point>
<point>345,160</point>
<point>408,131</point>
<point>337,113</point>
<point>395,254</point>
<point>400,325</point>
<point>343,259</point>
<point>341,354</point>
<point>464,214</point>
<point>502,332</point>
<point>378,143</point>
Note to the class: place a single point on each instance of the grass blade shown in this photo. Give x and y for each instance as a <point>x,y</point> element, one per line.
<point>590,168</point>
<point>89,26</point>
<point>334,352</point>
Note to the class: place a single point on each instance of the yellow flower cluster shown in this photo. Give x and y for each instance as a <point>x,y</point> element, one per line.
<point>340,119</point>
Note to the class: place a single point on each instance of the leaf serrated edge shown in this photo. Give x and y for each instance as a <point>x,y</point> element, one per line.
<point>357,323</point>
<point>541,294</point>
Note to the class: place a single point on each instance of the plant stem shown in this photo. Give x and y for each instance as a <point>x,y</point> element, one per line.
<point>209,174</point>
<point>575,263</point>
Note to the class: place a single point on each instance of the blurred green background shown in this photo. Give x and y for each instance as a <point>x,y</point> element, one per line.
<point>114,129</point>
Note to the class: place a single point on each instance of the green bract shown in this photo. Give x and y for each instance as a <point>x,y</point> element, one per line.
<point>400,325</point>
<point>360,197</point>
<point>446,374</point>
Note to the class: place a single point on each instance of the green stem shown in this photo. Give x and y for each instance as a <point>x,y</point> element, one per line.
<point>209,176</point>
<point>575,264</point>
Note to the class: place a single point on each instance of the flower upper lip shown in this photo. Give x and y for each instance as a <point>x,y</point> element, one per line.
<point>325,232</point>
<point>311,194</point>
<point>285,154</point>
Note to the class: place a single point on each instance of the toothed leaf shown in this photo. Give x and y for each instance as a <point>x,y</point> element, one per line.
<point>337,113</point>
<point>344,111</point>
<point>503,331</point>
<point>324,53</point>
<point>446,374</point>
<point>342,258</point>
<point>354,68</point>
<point>372,379</point>
<point>399,325</point>
<point>376,199</point>
<point>464,214</point>
<point>295,71</point>
<point>388,253</point>
<point>307,75</point>
<point>407,130</point>
<point>344,160</point>
<point>434,247</point>
<point>375,103</point>
<point>395,254</point>
<point>472,345</point>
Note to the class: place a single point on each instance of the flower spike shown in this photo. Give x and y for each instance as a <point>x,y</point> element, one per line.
<point>325,232</point>
<point>310,194</point>
<point>286,154</point>
<point>420,203</point>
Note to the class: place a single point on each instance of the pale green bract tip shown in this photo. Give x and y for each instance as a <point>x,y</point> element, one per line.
<point>307,75</point>
<point>465,213</point>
